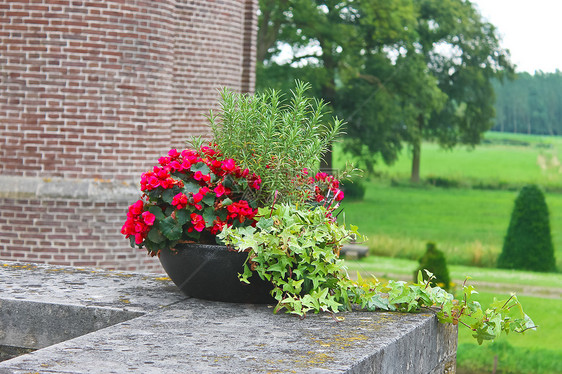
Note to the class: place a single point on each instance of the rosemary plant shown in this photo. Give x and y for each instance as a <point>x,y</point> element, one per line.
<point>274,138</point>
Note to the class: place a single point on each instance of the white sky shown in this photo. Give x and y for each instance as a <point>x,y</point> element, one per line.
<point>530,29</point>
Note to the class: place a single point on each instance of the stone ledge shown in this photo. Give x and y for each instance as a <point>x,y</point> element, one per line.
<point>177,334</point>
<point>16,187</point>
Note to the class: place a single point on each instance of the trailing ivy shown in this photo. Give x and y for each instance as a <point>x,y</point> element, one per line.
<point>297,250</point>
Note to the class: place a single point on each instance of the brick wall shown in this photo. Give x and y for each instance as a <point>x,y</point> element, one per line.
<point>97,91</point>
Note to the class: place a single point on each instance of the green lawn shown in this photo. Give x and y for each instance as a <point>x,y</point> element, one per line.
<point>388,267</point>
<point>504,159</point>
<point>533,352</point>
<point>537,351</point>
<point>468,225</point>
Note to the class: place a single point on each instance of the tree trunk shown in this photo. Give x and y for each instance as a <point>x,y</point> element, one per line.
<point>416,151</point>
<point>415,178</point>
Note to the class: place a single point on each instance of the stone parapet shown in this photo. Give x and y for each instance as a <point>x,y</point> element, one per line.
<point>145,325</point>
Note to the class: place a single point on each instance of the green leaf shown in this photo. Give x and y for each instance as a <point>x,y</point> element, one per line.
<point>182,216</point>
<point>190,187</point>
<point>265,224</point>
<point>247,274</point>
<point>209,216</point>
<point>168,195</point>
<point>154,235</point>
<point>202,167</point>
<point>171,228</point>
<point>209,199</point>
<point>157,211</point>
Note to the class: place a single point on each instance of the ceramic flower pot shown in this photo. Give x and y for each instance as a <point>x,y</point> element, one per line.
<point>210,272</point>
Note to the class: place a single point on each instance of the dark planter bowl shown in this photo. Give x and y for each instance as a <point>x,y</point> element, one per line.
<point>210,272</point>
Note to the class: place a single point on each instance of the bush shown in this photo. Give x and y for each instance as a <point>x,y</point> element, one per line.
<point>443,182</point>
<point>528,244</point>
<point>434,261</point>
<point>353,189</point>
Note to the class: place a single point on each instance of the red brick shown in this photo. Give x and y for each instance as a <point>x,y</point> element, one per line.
<point>86,84</point>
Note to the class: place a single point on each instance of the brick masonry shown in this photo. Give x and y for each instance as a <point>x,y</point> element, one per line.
<point>94,92</point>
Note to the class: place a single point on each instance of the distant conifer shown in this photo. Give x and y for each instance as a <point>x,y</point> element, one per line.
<point>528,244</point>
<point>434,260</point>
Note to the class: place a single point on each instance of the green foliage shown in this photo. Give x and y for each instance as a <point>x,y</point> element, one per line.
<point>530,104</point>
<point>354,189</point>
<point>528,244</point>
<point>297,251</point>
<point>434,260</point>
<point>381,64</point>
<point>274,138</point>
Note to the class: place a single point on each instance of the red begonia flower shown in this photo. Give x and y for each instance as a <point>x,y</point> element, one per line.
<point>219,190</point>
<point>148,218</point>
<point>228,165</point>
<point>197,221</point>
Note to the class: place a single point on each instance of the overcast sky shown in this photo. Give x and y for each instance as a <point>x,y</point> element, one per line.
<point>530,29</point>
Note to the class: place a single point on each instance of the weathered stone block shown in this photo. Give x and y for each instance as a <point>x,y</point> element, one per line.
<point>177,334</point>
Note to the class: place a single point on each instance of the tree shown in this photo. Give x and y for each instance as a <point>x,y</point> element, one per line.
<point>462,52</point>
<point>528,244</point>
<point>530,104</point>
<point>426,64</point>
<point>330,40</point>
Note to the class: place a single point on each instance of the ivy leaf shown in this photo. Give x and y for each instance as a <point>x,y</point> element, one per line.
<point>247,274</point>
<point>265,224</point>
<point>277,267</point>
<point>379,302</point>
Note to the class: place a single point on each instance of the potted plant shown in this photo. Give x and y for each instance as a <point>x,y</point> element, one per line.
<point>193,194</point>
<point>247,217</point>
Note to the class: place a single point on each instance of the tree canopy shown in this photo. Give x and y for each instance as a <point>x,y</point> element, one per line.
<point>398,71</point>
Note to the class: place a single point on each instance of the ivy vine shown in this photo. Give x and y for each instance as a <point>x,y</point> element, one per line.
<point>297,250</point>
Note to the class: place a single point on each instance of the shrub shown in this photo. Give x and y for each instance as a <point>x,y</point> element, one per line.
<point>443,182</point>
<point>528,244</point>
<point>434,261</point>
<point>354,189</point>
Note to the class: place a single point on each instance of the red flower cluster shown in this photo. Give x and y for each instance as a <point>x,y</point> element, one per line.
<point>189,193</point>
<point>326,188</point>
<point>138,222</point>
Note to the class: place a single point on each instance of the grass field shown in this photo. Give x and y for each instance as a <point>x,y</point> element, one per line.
<point>533,352</point>
<point>502,160</point>
<point>469,223</point>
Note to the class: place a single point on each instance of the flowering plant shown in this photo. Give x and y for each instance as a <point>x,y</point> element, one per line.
<point>190,196</point>
<point>252,188</point>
